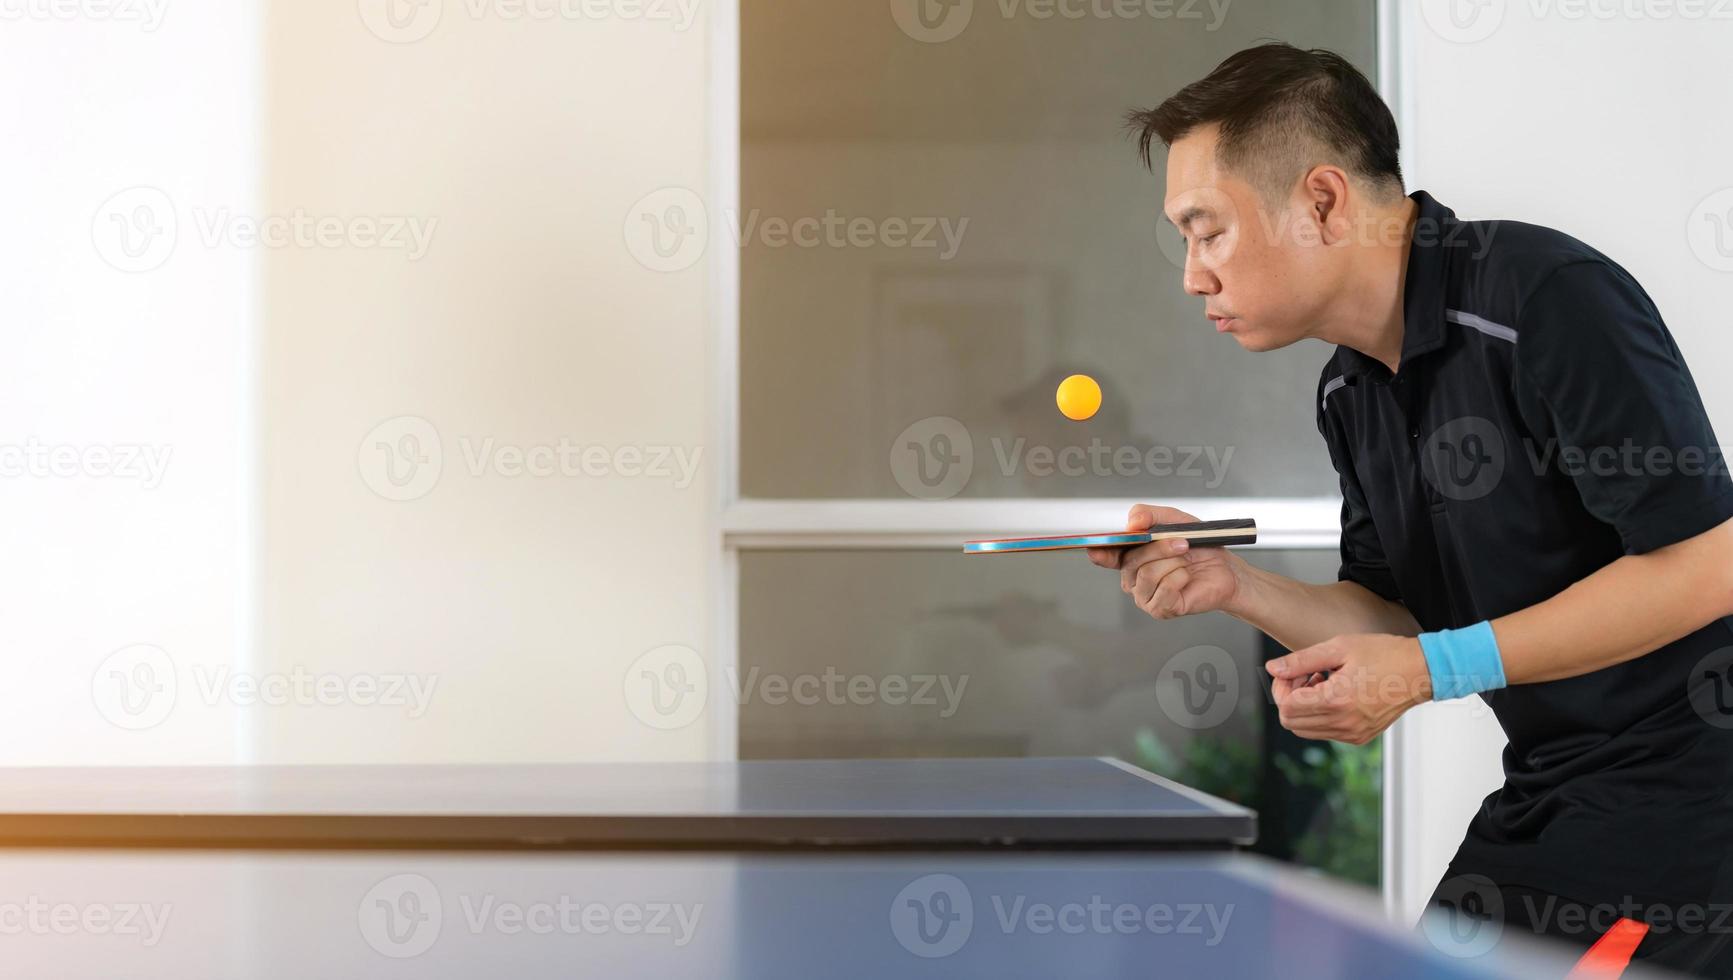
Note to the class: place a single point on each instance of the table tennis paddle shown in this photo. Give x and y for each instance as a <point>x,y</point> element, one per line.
<point>1201,534</point>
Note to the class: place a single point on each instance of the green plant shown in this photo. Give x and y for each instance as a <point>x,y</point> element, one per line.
<point>1345,835</point>
<point>1227,768</point>
<point>1342,837</point>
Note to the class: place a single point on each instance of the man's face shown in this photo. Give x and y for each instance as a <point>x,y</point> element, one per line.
<point>1263,278</point>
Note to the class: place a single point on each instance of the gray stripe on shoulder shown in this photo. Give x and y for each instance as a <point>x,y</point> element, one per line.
<point>1337,382</point>
<point>1481,324</point>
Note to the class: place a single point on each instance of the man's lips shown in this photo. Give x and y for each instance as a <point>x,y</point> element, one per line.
<point>1223,323</point>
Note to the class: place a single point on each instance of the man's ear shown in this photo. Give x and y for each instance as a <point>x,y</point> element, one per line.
<point>1326,192</point>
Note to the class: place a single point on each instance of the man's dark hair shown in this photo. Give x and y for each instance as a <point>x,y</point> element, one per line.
<point>1279,108</point>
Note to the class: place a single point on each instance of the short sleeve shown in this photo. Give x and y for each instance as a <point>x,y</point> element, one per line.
<point>1615,410</point>
<point>1363,560</point>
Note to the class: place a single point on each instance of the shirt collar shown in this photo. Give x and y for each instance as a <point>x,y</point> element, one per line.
<point>1423,288</point>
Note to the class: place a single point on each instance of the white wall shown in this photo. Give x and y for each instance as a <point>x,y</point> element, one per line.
<point>114,575</point>
<point>1613,129</point>
<point>271,553</point>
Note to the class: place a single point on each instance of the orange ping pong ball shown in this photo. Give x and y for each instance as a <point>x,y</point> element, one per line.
<point>1079,397</point>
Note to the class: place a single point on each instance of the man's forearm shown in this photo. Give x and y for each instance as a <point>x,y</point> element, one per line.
<point>1299,614</point>
<point>1635,605</point>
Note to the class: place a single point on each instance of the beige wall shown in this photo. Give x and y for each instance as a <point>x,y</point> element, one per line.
<point>527,321</point>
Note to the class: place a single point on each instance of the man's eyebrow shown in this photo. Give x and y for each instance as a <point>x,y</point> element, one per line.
<point>1189,215</point>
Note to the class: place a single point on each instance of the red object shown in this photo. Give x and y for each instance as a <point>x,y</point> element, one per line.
<point>1611,953</point>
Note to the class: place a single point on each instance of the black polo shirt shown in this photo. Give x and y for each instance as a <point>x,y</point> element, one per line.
<point>1541,425</point>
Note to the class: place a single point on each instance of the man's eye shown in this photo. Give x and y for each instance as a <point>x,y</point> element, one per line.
<point>1205,240</point>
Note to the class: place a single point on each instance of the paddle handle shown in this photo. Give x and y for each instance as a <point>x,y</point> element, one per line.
<point>1209,534</point>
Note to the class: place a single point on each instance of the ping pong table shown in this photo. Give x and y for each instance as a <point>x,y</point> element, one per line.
<point>790,803</point>
<point>919,868</point>
<point>429,915</point>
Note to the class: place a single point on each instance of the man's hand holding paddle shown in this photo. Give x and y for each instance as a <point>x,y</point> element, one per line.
<point>1169,579</point>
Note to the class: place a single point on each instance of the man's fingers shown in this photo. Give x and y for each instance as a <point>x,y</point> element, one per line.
<point>1142,516</point>
<point>1311,660</point>
<point>1106,557</point>
<point>1148,578</point>
<point>1169,598</point>
<point>1155,551</point>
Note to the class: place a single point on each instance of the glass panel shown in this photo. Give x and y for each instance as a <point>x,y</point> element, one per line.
<point>945,229</point>
<point>905,654</point>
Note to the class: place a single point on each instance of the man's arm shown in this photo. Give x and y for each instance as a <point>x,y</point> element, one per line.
<point>1299,614</point>
<point>1629,608</point>
<point>1168,579</point>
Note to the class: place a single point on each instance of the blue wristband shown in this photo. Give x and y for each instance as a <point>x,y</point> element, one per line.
<point>1463,662</point>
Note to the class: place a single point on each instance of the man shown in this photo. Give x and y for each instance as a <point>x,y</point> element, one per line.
<point>1534,506</point>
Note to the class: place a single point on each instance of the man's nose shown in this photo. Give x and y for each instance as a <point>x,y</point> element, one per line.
<point>1199,281</point>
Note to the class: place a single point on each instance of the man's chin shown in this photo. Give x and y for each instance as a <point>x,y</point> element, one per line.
<point>1258,341</point>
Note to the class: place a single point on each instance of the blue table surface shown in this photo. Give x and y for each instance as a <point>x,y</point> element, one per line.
<point>431,915</point>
